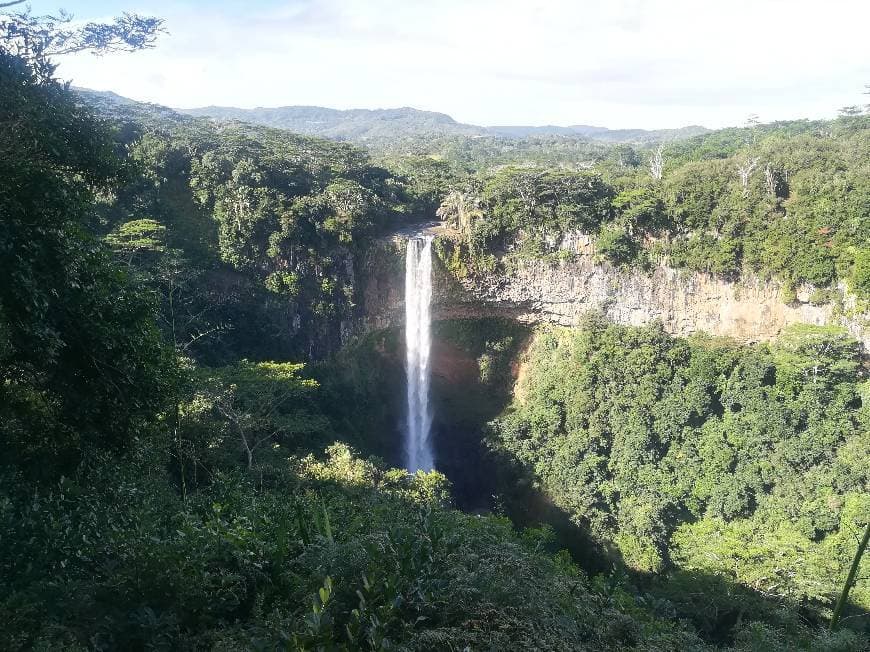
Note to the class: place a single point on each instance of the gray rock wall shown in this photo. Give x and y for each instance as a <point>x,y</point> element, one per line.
<point>562,292</point>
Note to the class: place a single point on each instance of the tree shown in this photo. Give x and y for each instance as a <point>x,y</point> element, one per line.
<point>426,181</point>
<point>851,578</point>
<point>460,209</point>
<point>616,245</point>
<point>34,39</point>
<point>752,123</point>
<point>860,278</point>
<point>262,403</point>
<point>138,238</point>
<point>657,163</point>
<point>771,180</point>
<point>641,210</point>
<point>83,363</point>
<point>744,171</point>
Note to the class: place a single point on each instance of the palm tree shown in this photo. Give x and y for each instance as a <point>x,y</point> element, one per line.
<point>459,209</point>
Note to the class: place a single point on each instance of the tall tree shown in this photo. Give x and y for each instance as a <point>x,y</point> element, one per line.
<point>81,362</point>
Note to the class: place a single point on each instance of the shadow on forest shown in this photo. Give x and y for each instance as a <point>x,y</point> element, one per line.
<point>484,481</point>
<point>716,606</point>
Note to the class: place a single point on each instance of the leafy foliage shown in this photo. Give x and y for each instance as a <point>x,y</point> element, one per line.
<point>262,228</point>
<point>319,554</point>
<point>701,455</point>
<point>526,211</point>
<point>252,405</point>
<point>787,200</point>
<point>34,39</point>
<point>82,362</point>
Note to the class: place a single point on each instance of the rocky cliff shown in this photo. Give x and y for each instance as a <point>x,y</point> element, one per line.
<point>562,291</point>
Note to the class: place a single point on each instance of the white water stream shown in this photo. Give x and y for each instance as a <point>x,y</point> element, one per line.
<point>418,297</point>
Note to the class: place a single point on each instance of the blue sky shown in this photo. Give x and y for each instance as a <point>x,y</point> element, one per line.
<point>622,63</point>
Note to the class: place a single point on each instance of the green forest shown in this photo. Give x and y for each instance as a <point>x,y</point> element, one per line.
<point>200,448</point>
<point>786,201</point>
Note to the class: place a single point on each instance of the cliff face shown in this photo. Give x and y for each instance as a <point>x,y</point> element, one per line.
<point>563,291</point>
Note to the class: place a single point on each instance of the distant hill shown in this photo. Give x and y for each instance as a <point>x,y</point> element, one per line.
<point>405,131</point>
<point>357,125</point>
<point>113,105</point>
<point>367,126</point>
<point>601,133</point>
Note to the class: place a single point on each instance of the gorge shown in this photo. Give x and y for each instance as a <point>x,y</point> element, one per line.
<point>456,391</point>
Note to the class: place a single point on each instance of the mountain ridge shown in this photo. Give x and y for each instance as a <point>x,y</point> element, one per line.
<point>385,128</point>
<point>351,123</point>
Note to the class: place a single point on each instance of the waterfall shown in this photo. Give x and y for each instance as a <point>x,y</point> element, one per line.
<point>418,296</point>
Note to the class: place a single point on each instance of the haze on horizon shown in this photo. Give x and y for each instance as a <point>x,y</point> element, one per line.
<point>621,64</point>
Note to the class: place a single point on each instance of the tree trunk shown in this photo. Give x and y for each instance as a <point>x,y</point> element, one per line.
<point>850,578</point>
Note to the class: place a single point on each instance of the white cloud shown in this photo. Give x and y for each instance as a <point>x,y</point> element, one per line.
<point>619,64</point>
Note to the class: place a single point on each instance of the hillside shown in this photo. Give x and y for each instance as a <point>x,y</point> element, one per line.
<point>361,126</point>
<point>378,128</point>
<point>601,133</point>
<point>407,131</point>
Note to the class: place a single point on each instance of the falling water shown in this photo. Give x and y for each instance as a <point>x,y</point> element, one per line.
<point>418,296</point>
